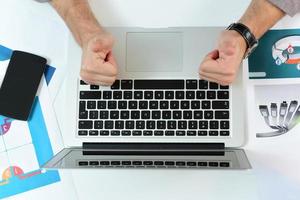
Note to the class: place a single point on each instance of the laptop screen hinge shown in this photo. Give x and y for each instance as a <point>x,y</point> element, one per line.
<point>151,148</point>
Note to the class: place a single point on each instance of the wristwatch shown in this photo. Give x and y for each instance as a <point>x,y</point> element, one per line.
<point>246,33</point>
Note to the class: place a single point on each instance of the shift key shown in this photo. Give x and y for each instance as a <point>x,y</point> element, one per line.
<point>220,105</point>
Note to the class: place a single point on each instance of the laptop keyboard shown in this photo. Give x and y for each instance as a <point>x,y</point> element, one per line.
<point>162,108</point>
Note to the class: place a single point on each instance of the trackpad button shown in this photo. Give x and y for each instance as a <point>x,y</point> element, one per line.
<point>154,52</point>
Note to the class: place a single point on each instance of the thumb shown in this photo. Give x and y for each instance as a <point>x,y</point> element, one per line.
<point>213,55</point>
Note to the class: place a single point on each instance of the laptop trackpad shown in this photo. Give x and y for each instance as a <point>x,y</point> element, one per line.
<point>154,52</point>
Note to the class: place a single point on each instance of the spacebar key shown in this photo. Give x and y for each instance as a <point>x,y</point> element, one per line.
<point>158,84</point>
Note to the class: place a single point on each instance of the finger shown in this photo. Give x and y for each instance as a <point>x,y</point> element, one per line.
<point>217,66</point>
<point>218,78</point>
<point>213,55</point>
<point>208,79</point>
<point>106,68</point>
<point>111,59</point>
<point>97,79</point>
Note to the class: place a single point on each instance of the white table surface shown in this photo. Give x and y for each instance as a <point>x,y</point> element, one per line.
<point>28,25</point>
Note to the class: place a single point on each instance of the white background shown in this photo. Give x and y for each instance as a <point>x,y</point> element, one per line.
<point>35,27</point>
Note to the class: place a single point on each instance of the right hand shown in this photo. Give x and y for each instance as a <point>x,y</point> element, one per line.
<point>222,64</point>
<point>99,66</point>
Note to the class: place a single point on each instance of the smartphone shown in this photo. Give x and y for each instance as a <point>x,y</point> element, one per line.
<point>20,84</point>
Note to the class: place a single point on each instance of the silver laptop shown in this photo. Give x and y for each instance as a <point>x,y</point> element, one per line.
<point>158,114</point>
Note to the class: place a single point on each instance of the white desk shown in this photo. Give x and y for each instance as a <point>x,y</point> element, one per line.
<point>275,170</point>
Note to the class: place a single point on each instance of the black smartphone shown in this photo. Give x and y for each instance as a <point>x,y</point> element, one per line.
<point>20,84</point>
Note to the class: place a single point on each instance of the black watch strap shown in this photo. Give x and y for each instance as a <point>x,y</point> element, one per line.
<point>246,33</point>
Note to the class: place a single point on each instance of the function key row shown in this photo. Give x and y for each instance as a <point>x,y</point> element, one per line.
<point>179,133</point>
<point>153,163</point>
<point>168,94</point>
<point>167,84</point>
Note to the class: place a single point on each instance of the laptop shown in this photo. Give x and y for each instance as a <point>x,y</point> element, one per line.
<point>158,113</point>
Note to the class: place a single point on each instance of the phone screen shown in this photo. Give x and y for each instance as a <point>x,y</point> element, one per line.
<point>20,84</point>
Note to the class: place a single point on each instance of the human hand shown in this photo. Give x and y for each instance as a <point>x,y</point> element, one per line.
<point>222,64</point>
<point>99,67</point>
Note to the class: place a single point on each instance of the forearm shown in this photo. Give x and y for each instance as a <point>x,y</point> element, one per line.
<point>260,16</point>
<point>79,18</point>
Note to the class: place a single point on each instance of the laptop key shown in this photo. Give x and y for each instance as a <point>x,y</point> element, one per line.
<point>98,124</point>
<point>126,133</point>
<point>190,95</point>
<point>94,163</point>
<point>205,104</point>
<point>224,164</point>
<point>191,84</point>
<point>147,133</point>
<point>202,164</point>
<point>117,95</point>
<point>185,105</point>
<point>203,84</point>
<point>169,133</point>
<point>198,114</point>
<point>220,105</point>
<point>164,105</point>
<point>107,94</point>
<point>156,115</point>
<point>224,133</point>
<point>122,104</point>
<point>158,163</point>
<point>104,162</point>
<point>129,124</point>
<point>112,104</point>
<point>126,84</point>
<point>224,87</point>
<point>211,94</point>
<point>124,114</point>
<point>93,132</point>
<point>177,114</point>
<point>182,124</point>
<point>191,133</point>
<point>153,105</point>
<point>158,133</point>
<point>169,94</point>
<point>203,124</point>
<point>115,133</point>
<point>222,114</point>
<point>82,106</point>
<point>85,124</point>
<point>224,124</point>
<point>135,114</point>
<point>187,114</point>
<point>109,124</point>
<point>179,94</point>
<point>208,114</point>
<point>202,133</point>
<point>83,163</point>
<point>213,164</point>
<point>104,133</point>
<point>145,114</point>
<point>223,95</point>
<point>82,82</point>
<point>101,105</point>
<point>82,133</point>
<point>127,94</point>
<point>213,85</point>
<point>114,114</point>
<point>90,95</point>
<point>148,95</point>
<point>150,125</point>
<point>195,104</point>
<point>171,124</point>
<point>174,104</point>
<point>166,114</point>
<point>83,115</point>
<point>94,87</point>
<point>143,104</point>
<point>115,85</point>
<point>119,124</point>
<point>161,124</point>
<point>213,133</point>
<point>115,162</point>
<point>214,125</point>
<point>191,163</point>
<point>93,114</point>
<point>138,95</point>
<point>180,133</point>
<point>200,94</point>
<point>193,125</point>
<point>140,124</point>
<point>159,94</point>
<point>136,133</point>
<point>103,114</point>
<point>126,162</point>
<point>132,105</point>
